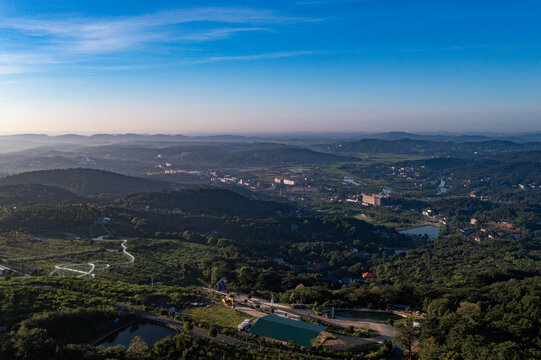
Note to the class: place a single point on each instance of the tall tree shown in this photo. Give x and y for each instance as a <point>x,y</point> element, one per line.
<point>408,332</point>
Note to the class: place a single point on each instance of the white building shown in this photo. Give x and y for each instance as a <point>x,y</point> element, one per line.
<point>291,182</point>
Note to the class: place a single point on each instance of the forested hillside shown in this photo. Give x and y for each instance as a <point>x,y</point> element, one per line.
<point>36,194</point>
<point>506,175</point>
<point>203,201</point>
<point>86,182</point>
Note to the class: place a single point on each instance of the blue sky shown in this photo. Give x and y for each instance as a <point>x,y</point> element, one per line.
<point>273,66</point>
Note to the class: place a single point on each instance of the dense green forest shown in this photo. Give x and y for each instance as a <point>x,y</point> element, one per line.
<point>203,201</point>
<point>36,194</point>
<point>483,300</point>
<point>489,177</point>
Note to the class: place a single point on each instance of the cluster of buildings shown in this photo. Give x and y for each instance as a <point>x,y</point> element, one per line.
<point>493,230</point>
<point>232,180</point>
<point>227,179</point>
<point>406,172</point>
<point>294,186</point>
<point>429,214</point>
<point>287,181</point>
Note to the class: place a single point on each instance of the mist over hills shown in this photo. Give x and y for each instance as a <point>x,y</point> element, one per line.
<point>410,146</point>
<point>10,143</point>
<point>139,155</point>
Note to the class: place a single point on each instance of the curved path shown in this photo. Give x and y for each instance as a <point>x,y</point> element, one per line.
<point>87,269</point>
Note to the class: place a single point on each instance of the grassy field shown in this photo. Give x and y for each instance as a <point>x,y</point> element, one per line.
<point>171,262</point>
<point>218,314</point>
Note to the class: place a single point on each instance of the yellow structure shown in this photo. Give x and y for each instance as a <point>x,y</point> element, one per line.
<point>229,301</point>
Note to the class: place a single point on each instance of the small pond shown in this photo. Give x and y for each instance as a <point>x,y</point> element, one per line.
<point>441,187</point>
<point>150,333</point>
<point>367,316</point>
<point>350,180</point>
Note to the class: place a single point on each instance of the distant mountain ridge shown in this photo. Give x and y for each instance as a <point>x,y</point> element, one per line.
<point>410,146</point>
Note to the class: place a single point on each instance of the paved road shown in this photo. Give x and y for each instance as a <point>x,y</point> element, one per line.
<point>87,269</point>
<point>249,311</point>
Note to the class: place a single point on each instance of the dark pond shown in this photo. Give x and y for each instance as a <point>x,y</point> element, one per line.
<point>367,316</point>
<point>150,333</point>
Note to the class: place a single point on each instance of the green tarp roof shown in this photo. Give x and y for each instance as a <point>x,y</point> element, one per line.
<point>280,328</point>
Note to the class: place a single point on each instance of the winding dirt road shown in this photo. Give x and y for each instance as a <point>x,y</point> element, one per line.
<point>87,269</point>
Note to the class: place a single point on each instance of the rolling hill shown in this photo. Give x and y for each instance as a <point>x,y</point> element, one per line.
<point>281,156</point>
<point>226,154</point>
<point>87,182</point>
<point>36,194</point>
<point>510,174</point>
<point>203,201</point>
<point>418,146</point>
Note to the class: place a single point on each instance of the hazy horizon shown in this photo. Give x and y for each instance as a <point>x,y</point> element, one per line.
<point>269,134</point>
<point>215,67</point>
